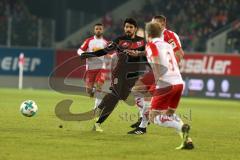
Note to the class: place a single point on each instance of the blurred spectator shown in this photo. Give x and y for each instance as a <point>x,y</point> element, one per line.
<point>107,20</point>
<point>233,39</point>
<point>194,21</point>
<point>25,26</point>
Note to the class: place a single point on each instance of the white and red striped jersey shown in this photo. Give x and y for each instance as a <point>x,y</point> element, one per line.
<point>171,38</point>
<point>161,57</point>
<point>90,45</point>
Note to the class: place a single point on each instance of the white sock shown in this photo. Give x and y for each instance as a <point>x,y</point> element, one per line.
<point>140,112</point>
<point>97,102</point>
<point>144,122</point>
<point>169,121</point>
<point>98,99</point>
<point>139,103</point>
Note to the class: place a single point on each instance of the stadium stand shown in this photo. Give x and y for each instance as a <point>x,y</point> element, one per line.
<point>233,41</point>
<point>193,21</point>
<point>19,27</point>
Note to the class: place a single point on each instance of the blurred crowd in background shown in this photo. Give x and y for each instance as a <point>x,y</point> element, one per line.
<point>23,26</point>
<point>193,21</point>
<point>233,39</point>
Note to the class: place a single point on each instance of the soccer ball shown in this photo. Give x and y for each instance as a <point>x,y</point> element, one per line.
<point>28,108</point>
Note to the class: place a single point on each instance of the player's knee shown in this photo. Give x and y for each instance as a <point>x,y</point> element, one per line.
<point>140,87</point>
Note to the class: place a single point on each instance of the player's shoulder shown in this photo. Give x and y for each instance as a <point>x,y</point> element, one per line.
<point>170,33</point>
<point>116,40</point>
<point>105,39</point>
<point>89,39</point>
<point>138,38</point>
<point>161,44</point>
<point>122,37</point>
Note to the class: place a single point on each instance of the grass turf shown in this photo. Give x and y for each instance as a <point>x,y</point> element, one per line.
<point>215,131</point>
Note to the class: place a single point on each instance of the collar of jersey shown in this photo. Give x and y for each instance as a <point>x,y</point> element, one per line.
<point>156,39</point>
<point>96,37</point>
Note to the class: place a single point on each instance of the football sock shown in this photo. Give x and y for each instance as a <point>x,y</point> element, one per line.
<point>172,121</point>
<point>98,99</point>
<point>144,122</point>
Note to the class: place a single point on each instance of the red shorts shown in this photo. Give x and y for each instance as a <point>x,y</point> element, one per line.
<point>167,98</point>
<point>96,76</point>
<point>148,80</point>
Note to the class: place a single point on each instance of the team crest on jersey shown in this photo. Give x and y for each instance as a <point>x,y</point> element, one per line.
<point>125,44</point>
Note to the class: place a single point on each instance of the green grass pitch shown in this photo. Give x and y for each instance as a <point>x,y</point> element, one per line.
<point>215,131</point>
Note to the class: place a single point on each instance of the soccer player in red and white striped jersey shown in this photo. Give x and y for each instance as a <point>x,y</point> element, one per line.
<point>148,79</point>
<point>168,85</point>
<point>97,68</point>
<point>170,37</point>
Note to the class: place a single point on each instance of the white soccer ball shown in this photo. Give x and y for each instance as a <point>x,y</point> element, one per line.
<point>28,108</point>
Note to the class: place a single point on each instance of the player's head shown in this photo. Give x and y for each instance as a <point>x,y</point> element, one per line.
<point>140,32</point>
<point>161,19</point>
<point>98,29</point>
<point>152,30</point>
<point>130,27</point>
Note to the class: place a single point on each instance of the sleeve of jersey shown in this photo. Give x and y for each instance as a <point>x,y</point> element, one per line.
<point>180,54</point>
<point>174,41</point>
<point>98,53</point>
<point>105,42</point>
<point>178,39</point>
<point>152,50</point>
<point>84,46</point>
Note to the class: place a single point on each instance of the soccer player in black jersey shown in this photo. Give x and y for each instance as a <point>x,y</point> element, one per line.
<point>126,71</point>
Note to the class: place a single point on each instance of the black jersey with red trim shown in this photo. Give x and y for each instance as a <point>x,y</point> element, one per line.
<point>136,43</point>
<point>126,65</point>
<point>129,66</point>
